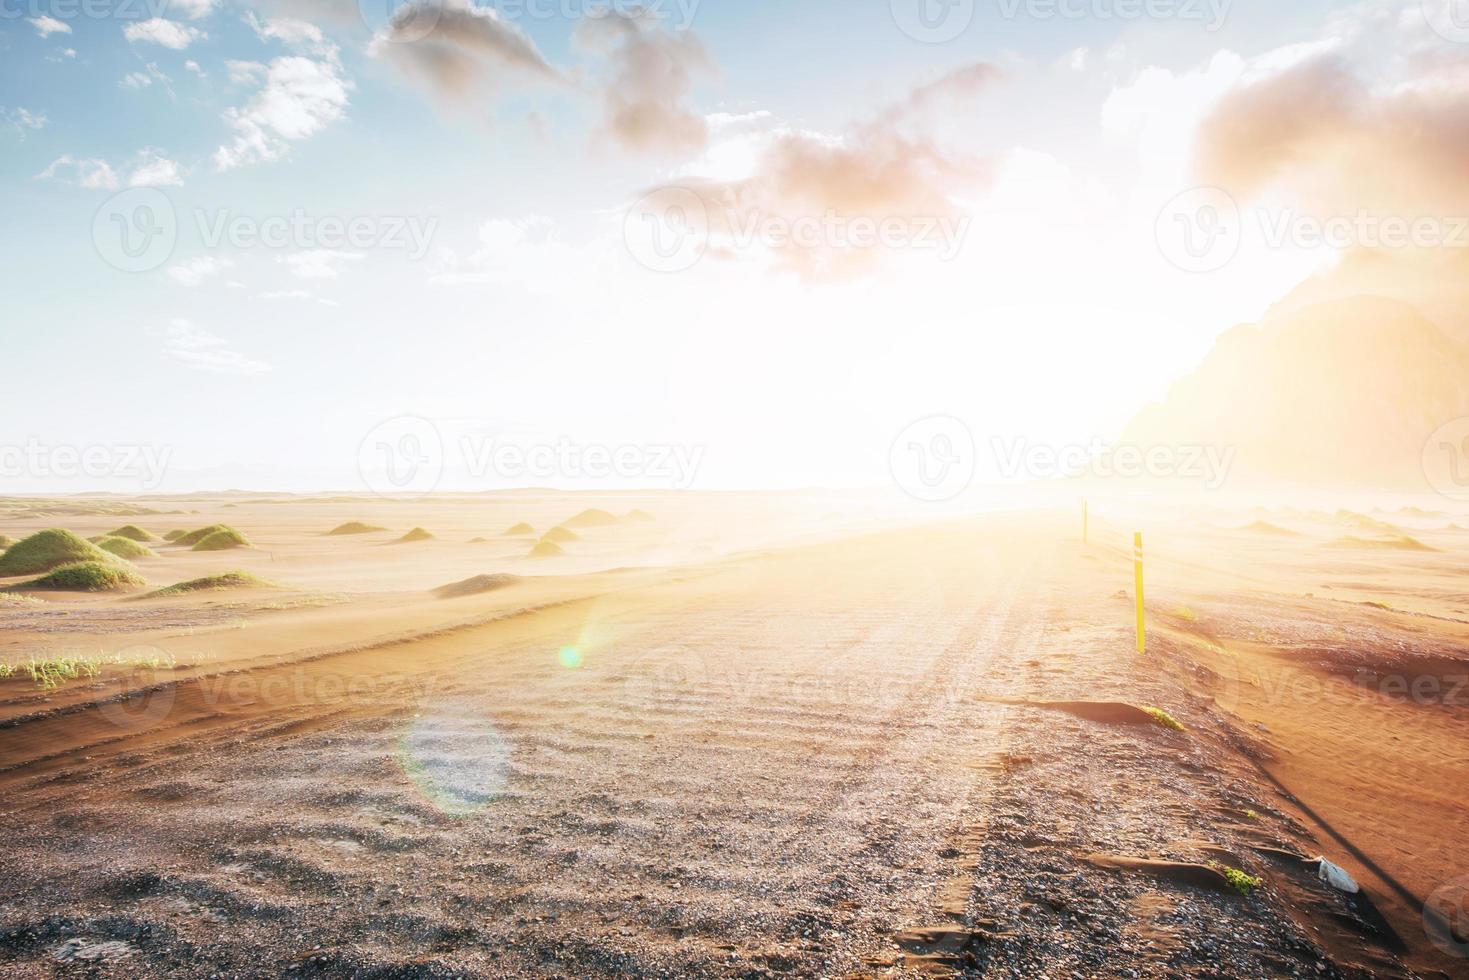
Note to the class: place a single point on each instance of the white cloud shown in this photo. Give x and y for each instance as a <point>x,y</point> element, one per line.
<point>89,173</point>
<point>170,34</point>
<point>300,97</point>
<point>652,72</point>
<point>295,33</point>
<point>46,26</point>
<point>301,294</point>
<point>457,47</point>
<point>145,78</point>
<point>523,252</point>
<point>62,54</point>
<point>193,272</point>
<point>203,351</point>
<point>149,168</point>
<point>22,120</point>
<point>193,66</point>
<point>319,263</point>
<point>191,9</point>
<point>244,72</point>
<point>153,169</point>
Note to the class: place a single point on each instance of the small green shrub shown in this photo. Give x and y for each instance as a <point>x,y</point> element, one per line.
<point>1241,881</point>
<point>1163,719</point>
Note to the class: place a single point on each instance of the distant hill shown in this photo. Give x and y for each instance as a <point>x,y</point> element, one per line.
<point>1343,392</point>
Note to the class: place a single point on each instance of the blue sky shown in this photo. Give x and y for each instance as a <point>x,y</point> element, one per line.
<point>518,145</point>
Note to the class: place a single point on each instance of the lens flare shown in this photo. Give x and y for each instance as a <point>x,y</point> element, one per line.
<point>456,757</point>
<point>571,658</point>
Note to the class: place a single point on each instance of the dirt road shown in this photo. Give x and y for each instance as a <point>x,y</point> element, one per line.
<point>793,762</point>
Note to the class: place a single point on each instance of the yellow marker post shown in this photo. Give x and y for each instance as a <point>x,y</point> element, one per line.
<point>1137,572</point>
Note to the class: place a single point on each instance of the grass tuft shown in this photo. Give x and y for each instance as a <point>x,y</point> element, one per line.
<point>417,534</point>
<point>52,672</point>
<point>1240,881</point>
<point>175,535</point>
<point>1163,719</point>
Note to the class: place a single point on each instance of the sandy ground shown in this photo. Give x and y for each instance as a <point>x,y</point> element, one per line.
<point>759,736</point>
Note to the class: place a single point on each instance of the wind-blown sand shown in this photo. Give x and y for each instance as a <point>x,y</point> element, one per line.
<point>826,749</point>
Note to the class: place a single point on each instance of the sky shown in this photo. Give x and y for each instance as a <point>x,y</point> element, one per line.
<point>300,246</point>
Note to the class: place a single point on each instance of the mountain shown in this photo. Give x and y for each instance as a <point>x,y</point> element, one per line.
<point>1341,392</point>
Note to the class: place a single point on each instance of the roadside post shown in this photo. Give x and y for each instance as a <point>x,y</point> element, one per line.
<point>1137,574</point>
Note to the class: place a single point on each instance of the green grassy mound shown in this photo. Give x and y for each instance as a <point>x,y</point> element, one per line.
<point>126,548</point>
<point>88,576</point>
<point>175,535</point>
<point>133,533</point>
<point>519,531</point>
<point>560,535</point>
<point>222,539</point>
<point>478,585</point>
<point>1265,527</point>
<point>546,549</point>
<point>6,542</point>
<point>592,518</point>
<point>46,550</point>
<point>214,583</point>
<point>417,534</point>
<point>1398,543</point>
<point>355,527</point>
<point>191,538</point>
